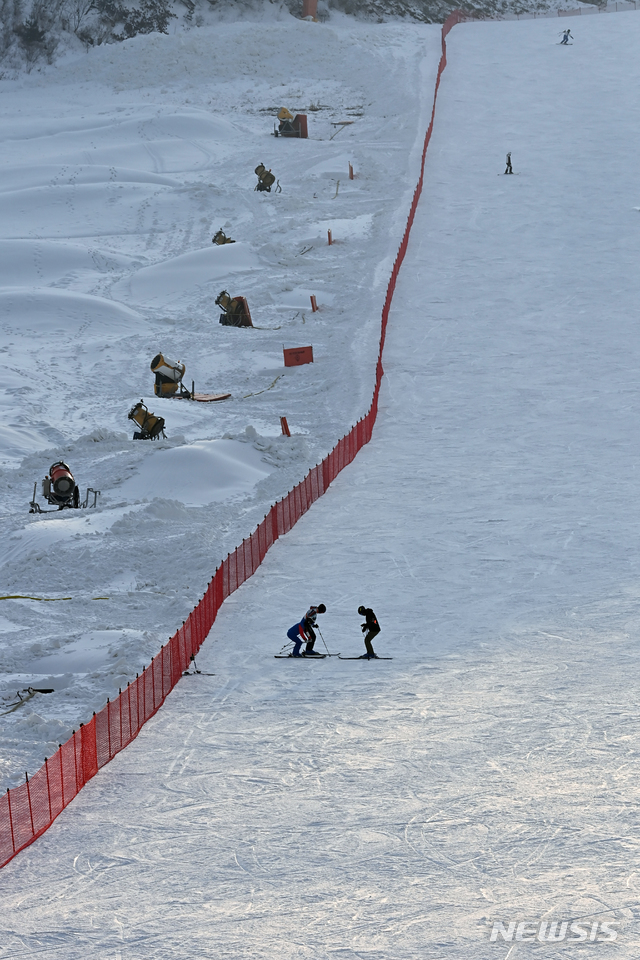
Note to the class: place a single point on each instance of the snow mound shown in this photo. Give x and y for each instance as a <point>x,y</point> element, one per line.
<point>198,474</point>
<point>60,310</point>
<point>40,729</point>
<point>188,125</point>
<point>41,262</point>
<point>54,175</point>
<point>277,450</point>
<point>337,165</point>
<point>147,145</point>
<point>173,278</point>
<point>85,210</point>
<point>161,509</point>
<point>18,440</point>
<point>104,435</point>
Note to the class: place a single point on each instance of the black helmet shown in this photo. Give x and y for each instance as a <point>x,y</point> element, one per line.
<point>322,608</point>
<point>362,611</point>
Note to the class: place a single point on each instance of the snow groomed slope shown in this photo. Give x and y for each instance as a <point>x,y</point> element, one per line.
<point>489,772</point>
<point>26,812</point>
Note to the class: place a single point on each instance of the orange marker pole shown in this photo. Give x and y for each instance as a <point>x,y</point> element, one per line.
<point>314,305</point>
<point>285,427</point>
<point>329,237</point>
<point>350,172</point>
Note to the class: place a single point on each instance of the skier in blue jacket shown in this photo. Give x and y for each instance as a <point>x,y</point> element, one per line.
<point>303,632</point>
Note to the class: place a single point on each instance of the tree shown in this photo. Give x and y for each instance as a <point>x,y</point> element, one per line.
<point>152,16</point>
<point>36,34</point>
<point>10,20</point>
<point>77,12</point>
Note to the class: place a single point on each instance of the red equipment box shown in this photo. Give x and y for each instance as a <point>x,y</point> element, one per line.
<point>296,356</point>
<point>246,322</point>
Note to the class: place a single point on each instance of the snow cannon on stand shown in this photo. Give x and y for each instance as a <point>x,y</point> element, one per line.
<point>235,310</point>
<point>220,238</point>
<point>290,126</point>
<point>60,490</point>
<point>168,378</point>
<point>169,382</point>
<point>265,180</point>
<point>151,427</point>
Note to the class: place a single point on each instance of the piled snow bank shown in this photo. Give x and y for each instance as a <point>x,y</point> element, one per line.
<point>175,278</point>
<point>54,312</point>
<point>198,474</point>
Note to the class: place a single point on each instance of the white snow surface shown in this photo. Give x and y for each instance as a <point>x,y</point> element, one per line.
<point>394,808</point>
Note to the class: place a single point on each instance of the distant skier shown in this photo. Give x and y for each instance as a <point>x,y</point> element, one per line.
<point>304,632</point>
<point>509,167</point>
<point>371,629</point>
<point>565,36</point>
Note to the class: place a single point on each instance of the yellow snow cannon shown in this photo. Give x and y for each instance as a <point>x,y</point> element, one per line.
<point>150,426</point>
<point>221,238</point>
<point>235,310</point>
<point>168,377</point>
<point>265,179</point>
<point>290,126</point>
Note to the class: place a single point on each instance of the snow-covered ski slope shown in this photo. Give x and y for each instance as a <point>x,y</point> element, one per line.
<point>118,168</point>
<point>490,770</point>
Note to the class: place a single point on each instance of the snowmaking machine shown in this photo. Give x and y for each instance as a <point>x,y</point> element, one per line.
<point>235,310</point>
<point>290,126</point>
<point>169,383</point>
<point>220,238</point>
<point>150,426</point>
<point>265,180</point>
<point>60,490</point>
<point>168,378</point>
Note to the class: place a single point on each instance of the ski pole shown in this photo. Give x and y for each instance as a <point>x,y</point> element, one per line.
<point>323,640</point>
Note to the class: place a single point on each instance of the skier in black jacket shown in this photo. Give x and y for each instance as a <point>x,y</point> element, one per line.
<point>371,629</point>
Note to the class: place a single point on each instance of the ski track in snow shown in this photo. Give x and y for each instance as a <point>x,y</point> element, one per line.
<point>394,809</point>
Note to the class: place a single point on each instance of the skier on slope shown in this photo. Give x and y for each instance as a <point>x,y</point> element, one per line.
<point>509,167</point>
<point>371,629</point>
<point>565,36</point>
<point>304,632</point>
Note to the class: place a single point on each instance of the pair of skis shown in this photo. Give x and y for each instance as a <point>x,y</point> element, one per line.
<point>187,673</point>
<point>305,656</point>
<point>323,656</point>
<point>367,658</point>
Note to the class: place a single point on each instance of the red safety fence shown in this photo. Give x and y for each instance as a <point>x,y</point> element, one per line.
<point>28,810</point>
